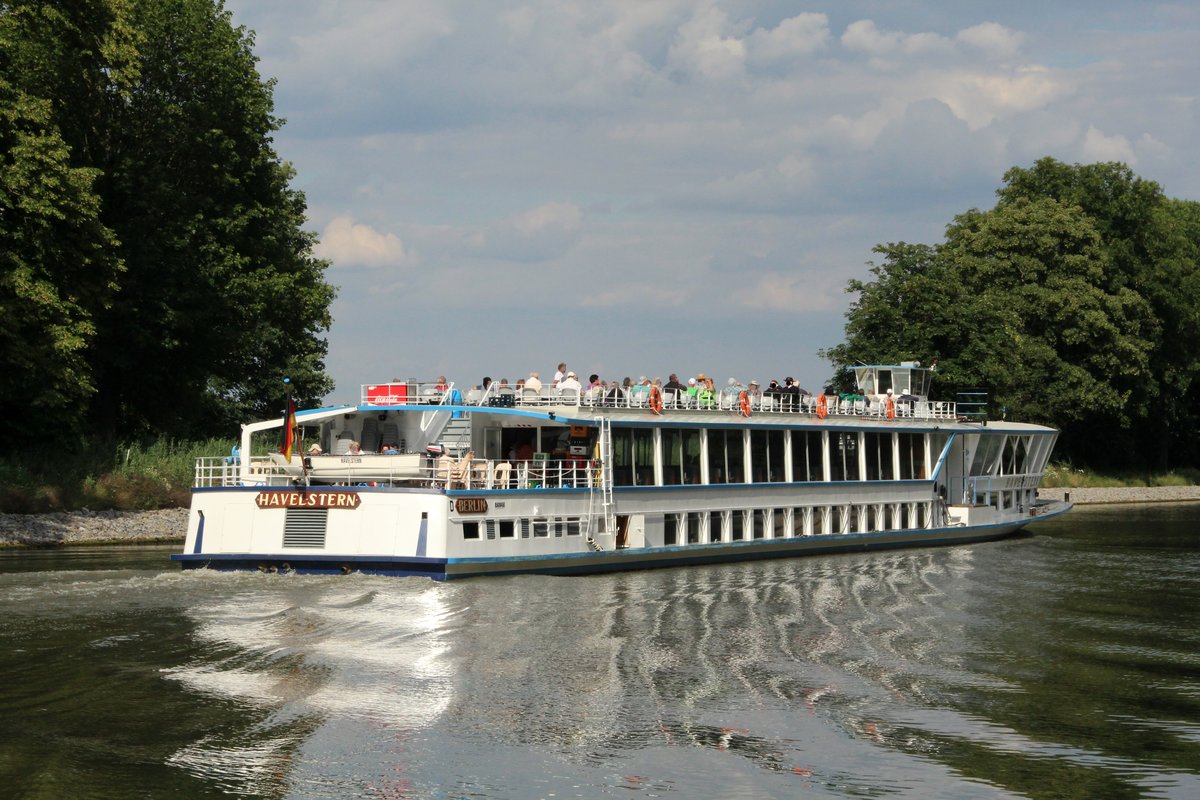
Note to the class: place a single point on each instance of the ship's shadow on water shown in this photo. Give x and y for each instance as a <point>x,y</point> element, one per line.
<point>1059,664</point>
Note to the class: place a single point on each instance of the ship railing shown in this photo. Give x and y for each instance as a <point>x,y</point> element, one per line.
<point>217,471</point>
<point>409,393</point>
<point>538,473</point>
<point>404,470</point>
<point>980,489</point>
<point>725,402</point>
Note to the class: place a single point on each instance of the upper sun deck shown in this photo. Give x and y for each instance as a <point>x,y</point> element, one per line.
<point>910,384</point>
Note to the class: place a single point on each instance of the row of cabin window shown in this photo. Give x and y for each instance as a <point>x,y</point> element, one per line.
<point>689,527</point>
<point>538,527</point>
<point>633,456</point>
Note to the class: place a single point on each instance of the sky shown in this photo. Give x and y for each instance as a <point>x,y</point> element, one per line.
<point>654,186</point>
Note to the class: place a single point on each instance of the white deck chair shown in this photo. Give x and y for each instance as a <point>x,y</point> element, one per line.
<point>501,474</point>
<point>460,471</point>
<point>568,396</point>
<point>342,445</point>
<point>444,470</point>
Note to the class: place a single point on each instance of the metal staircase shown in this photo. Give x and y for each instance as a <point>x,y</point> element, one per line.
<point>456,437</point>
<point>600,498</point>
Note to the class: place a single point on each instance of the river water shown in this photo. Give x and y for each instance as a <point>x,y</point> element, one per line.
<point>1060,664</point>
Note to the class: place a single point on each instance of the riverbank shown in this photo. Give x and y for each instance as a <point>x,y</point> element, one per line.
<point>67,528</point>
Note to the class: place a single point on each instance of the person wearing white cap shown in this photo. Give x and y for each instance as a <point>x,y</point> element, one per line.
<point>571,381</point>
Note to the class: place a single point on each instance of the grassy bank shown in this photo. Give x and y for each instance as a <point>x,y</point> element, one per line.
<point>126,477</point>
<point>1066,476</point>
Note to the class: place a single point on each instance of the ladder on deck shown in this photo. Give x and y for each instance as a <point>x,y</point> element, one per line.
<point>456,436</point>
<point>602,495</point>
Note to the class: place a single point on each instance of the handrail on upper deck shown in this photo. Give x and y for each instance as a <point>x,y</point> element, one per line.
<point>405,393</point>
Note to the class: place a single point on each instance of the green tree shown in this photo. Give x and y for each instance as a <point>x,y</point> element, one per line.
<point>1030,300</point>
<point>221,280</point>
<point>159,102</point>
<point>1151,248</point>
<point>1038,325</point>
<point>57,265</point>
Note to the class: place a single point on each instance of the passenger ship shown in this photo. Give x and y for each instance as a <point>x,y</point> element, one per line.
<point>492,482</point>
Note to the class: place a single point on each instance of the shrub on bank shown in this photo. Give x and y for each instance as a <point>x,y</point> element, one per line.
<point>1067,476</point>
<point>98,475</point>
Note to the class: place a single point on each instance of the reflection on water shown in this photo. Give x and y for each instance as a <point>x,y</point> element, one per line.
<point>1061,664</point>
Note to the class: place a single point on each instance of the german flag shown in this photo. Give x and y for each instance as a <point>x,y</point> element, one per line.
<point>289,428</point>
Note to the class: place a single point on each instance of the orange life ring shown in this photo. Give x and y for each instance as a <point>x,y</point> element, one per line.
<point>656,401</point>
<point>822,406</point>
<point>891,407</point>
<point>744,403</point>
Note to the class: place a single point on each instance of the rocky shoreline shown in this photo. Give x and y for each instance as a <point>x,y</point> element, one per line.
<point>66,528</point>
<point>169,525</point>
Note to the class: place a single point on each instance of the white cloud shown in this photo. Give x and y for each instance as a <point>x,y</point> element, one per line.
<point>863,36</point>
<point>992,38</point>
<point>799,35</point>
<point>978,98</point>
<point>1098,147</point>
<point>1152,148</point>
<point>347,244</point>
<point>539,234</point>
<point>703,50</point>
<point>794,292</point>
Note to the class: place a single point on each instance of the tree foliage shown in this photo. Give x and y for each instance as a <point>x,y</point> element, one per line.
<point>1074,299</point>
<point>57,262</point>
<point>159,105</point>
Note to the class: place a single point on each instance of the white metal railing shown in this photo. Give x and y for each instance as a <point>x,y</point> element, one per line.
<point>980,488</point>
<point>381,470</point>
<point>725,402</point>
<point>407,393</point>
<point>436,393</point>
<point>217,471</point>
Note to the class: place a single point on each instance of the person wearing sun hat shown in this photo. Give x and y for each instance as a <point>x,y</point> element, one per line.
<point>570,381</point>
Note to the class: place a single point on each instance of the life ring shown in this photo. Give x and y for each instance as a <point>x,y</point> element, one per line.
<point>891,407</point>
<point>822,406</point>
<point>744,403</point>
<point>656,401</point>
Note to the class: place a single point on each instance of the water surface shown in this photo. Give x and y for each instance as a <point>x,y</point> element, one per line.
<point>1065,663</point>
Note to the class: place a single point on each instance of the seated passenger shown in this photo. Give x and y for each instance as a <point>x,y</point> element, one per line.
<point>355,449</point>
<point>390,449</point>
<point>570,383</point>
<point>315,450</point>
